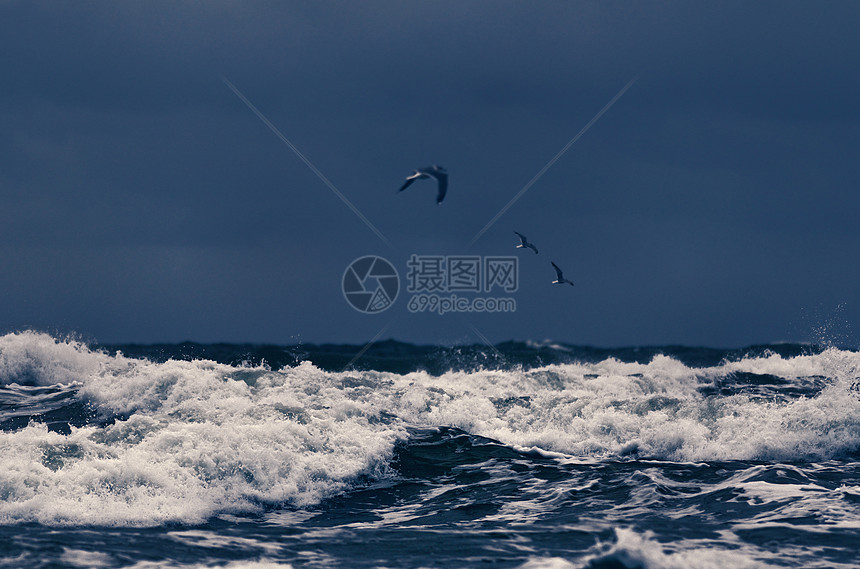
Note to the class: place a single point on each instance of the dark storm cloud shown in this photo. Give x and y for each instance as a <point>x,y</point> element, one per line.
<point>715,200</point>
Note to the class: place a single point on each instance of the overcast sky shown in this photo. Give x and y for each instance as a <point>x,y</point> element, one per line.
<point>715,203</point>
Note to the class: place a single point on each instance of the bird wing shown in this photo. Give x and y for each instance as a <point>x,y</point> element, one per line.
<point>557,271</point>
<point>443,186</point>
<point>411,179</point>
<point>521,236</point>
<point>533,247</point>
<point>406,184</point>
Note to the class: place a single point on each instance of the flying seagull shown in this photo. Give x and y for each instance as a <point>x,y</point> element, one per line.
<point>525,243</point>
<point>561,279</point>
<point>438,173</point>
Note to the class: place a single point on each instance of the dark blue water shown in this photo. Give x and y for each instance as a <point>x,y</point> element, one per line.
<point>524,456</point>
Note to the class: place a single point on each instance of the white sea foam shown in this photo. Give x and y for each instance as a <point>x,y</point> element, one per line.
<point>548,563</point>
<point>261,564</point>
<point>197,439</point>
<point>30,358</point>
<point>654,409</point>
<point>87,559</point>
<point>636,551</point>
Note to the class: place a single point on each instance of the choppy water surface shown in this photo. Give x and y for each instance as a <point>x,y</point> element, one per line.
<point>540,455</point>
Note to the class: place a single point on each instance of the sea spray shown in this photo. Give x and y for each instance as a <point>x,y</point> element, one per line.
<point>185,440</point>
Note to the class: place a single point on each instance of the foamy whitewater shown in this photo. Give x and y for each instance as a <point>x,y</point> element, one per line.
<point>541,456</point>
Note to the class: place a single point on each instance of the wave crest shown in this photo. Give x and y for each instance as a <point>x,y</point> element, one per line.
<point>185,440</point>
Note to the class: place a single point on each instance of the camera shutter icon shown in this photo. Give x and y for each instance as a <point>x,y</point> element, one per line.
<point>370,284</point>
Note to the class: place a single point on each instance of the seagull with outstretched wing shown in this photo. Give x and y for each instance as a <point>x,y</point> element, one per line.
<point>438,173</point>
<point>525,243</point>
<point>560,275</point>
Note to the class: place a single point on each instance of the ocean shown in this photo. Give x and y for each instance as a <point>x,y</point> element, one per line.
<point>523,455</point>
